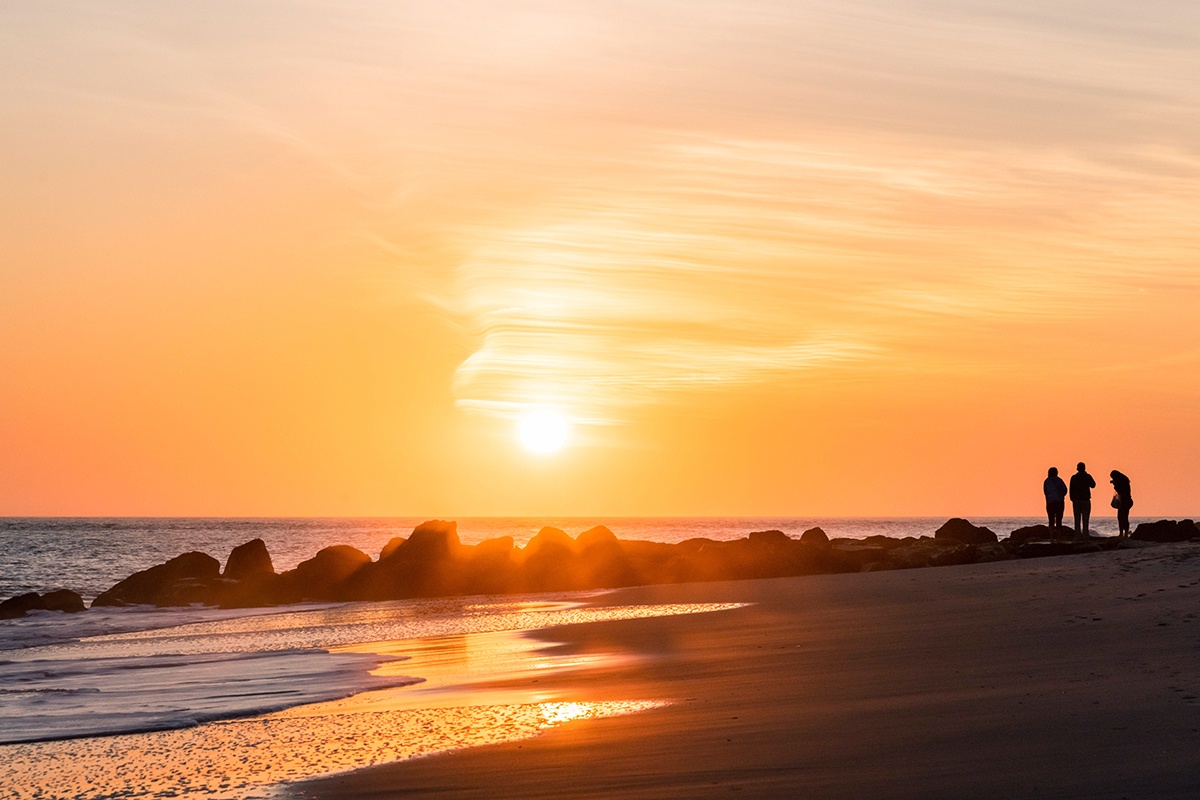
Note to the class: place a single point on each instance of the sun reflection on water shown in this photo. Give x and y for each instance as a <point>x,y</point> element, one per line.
<point>477,689</point>
<point>557,713</point>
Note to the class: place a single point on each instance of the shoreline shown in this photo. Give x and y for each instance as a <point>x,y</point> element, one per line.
<point>414,702</point>
<point>1058,677</point>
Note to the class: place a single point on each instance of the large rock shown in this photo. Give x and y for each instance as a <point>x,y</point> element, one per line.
<point>549,537</point>
<point>1166,530</point>
<point>435,539</point>
<point>551,562</point>
<point>18,605</point>
<point>324,576</point>
<point>189,578</point>
<point>770,538</point>
<point>959,530</point>
<point>249,561</point>
<point>603,561</point>
<point>815,536</point>
<point>1043,533</point>
<point>431,562</point>
<point>60,600</point>
<point>593,536</point>
<point>63,600</point>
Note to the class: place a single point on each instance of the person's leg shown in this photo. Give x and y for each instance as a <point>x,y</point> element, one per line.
<point>1086,511</point>
<point>1122,521</point>
<point>1050,513</point>
<point>1077,509</point>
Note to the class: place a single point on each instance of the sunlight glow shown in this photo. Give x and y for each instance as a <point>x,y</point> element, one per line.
<point>543,431</point>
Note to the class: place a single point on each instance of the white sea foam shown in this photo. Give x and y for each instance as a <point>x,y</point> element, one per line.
<point>126,670</point>
<point>70,698</point>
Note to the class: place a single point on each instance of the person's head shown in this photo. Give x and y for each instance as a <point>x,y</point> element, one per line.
<point>1052,472</point>
<point>1081,467</point>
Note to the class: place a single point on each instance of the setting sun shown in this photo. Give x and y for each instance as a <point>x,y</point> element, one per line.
<point>543,431</point>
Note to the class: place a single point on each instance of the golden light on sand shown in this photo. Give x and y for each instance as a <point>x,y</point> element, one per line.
<point>543,431</point>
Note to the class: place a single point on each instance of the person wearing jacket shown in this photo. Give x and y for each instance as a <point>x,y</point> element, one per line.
<point>1081,500</point>
<point>1056,493</point>
<point>1122,500</point>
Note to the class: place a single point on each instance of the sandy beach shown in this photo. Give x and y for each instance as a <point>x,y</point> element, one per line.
<point>1049,678</point>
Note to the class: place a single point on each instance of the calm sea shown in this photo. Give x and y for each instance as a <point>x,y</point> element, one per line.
<point>91,554</point>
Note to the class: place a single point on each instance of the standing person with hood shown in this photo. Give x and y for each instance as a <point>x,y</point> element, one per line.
<point>1122,500</point>
<point>1081,499</point>
<point>1056,492</point>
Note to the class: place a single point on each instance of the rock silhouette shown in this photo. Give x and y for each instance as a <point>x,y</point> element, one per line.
<point>249,561</point>
<point>60,600</point>
<point>959,530</point>
<point>1040,533</point>
<point>1167,530</point>
<point>186,579</point>
<point>433,562</point>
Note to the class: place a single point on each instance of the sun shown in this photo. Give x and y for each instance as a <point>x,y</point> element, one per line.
<point>543,431</point>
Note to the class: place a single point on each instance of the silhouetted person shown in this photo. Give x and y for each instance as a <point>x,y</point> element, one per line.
<point>1081,499</point>
<point>1122,500</point>
<point>1056,494</point>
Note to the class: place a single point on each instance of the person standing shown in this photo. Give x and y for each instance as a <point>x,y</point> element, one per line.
<point>1122,500</point>
<point>1081,500</point>
<point>1056,493</point>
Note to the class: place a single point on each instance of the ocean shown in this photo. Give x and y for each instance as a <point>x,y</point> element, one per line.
<point>230,703</point>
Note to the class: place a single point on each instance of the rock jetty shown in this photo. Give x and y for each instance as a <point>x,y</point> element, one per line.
<point>433,562</point>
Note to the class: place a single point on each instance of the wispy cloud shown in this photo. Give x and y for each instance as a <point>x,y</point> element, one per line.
<point>708,262</point>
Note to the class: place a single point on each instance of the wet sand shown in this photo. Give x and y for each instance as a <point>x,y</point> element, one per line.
<point>1074,677</point>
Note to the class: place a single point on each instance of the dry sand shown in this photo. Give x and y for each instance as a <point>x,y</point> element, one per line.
<point>1073,677</point>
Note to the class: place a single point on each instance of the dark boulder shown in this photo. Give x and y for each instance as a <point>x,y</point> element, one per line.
<point>332,564</point>
<point>63,600</point>
<point>431,562</point>
<point>814,536</point>
<point>549,537</point>
<point>551,562</point>
<point>959,530</point>
<point>249,561</point>
<point>189,578</point>
<point>325,576</point>
<point>596,535</point>
<point>60,600</point>
<point>432,540</point>
<point>19,605</point>
<point>603,561</point>
<point>1166,530</point>
<point>489,567</point>
<point>769,538</point>
<point>1042,533</point>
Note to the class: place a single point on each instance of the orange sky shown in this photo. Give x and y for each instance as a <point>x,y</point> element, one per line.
<point>768,258</point>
